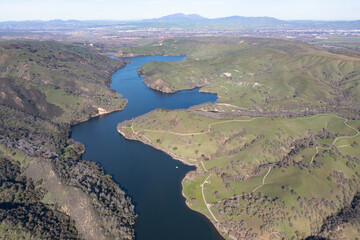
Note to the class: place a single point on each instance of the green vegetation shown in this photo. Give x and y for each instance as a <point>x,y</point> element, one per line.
<point>340,43</point>
<point>22,215</point>
<point>257,74</point>
<point>56,81</point>
<point>45,87</point>
<point>236,154</point>
<point>278,153</point>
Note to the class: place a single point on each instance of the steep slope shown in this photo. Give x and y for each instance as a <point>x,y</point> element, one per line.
<point>70,77</point>
<point>44,88</point>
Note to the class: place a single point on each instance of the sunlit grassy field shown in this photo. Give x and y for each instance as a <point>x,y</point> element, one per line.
<point>247,148</point>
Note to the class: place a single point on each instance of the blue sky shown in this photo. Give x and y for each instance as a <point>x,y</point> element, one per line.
<point>141,9</point>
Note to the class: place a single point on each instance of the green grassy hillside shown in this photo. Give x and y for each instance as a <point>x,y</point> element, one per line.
<point>277,155</point>
<point>257,74</point>
<point>262,177</point>
<point>61,82</point>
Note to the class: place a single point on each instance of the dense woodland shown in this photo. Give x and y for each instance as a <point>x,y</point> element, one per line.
<point>22,214</point>
<point>35,124</point>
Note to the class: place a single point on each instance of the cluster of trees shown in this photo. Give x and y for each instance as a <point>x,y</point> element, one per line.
<point>223,151</point>
<point>348,214</point>
<point>37,137</point>
<point>112,205</point>
<point>73,69</point>
<point>274,148</point>
<point>29,99</point>
<point>334,224</point>
<point>21,212</point>
<point>271,212</point>
<point>110,202</point>
<point>296,146</point>
<point>318,209</point>
<point>238,230</point>
<point>315,210</point>
<point>42,134</point>
<point>346,111</point>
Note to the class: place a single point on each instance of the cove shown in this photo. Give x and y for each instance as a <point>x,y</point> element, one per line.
<point>150,177</point>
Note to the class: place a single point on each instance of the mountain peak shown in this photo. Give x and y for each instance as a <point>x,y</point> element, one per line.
<point>181,17</point>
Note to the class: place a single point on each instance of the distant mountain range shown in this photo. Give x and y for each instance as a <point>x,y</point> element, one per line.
<point>239,22</point>
<point>191,21</point>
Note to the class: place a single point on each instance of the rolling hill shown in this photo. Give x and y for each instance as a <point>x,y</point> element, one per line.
<point>277,155</point>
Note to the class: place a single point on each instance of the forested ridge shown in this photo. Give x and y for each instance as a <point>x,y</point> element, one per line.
<point>45,87</point>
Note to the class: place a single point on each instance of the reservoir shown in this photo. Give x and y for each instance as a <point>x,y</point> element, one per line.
<point>150,177</point>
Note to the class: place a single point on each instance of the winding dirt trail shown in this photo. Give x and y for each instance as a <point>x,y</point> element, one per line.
<point>227,90</point>
<point>203,166</point>
<point>343,137</point>
<point>317,151</point>
<point>342,146</point>
<point>263,182</point>
<point>194,133</point>
<point>203,195</point>
<point>249,120</point>
<point>336,139</point>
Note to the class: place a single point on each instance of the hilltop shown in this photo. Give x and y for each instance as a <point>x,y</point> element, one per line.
<point>178,17</point>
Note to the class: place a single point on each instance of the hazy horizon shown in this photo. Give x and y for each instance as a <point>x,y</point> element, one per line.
<point>325,10</point>
<point>140,19</point>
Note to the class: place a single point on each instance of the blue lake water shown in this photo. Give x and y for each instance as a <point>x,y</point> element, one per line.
<point>149,176</point>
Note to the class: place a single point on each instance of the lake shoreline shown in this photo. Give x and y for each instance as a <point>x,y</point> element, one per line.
<point>133,137</point>
<point>153,181</point>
